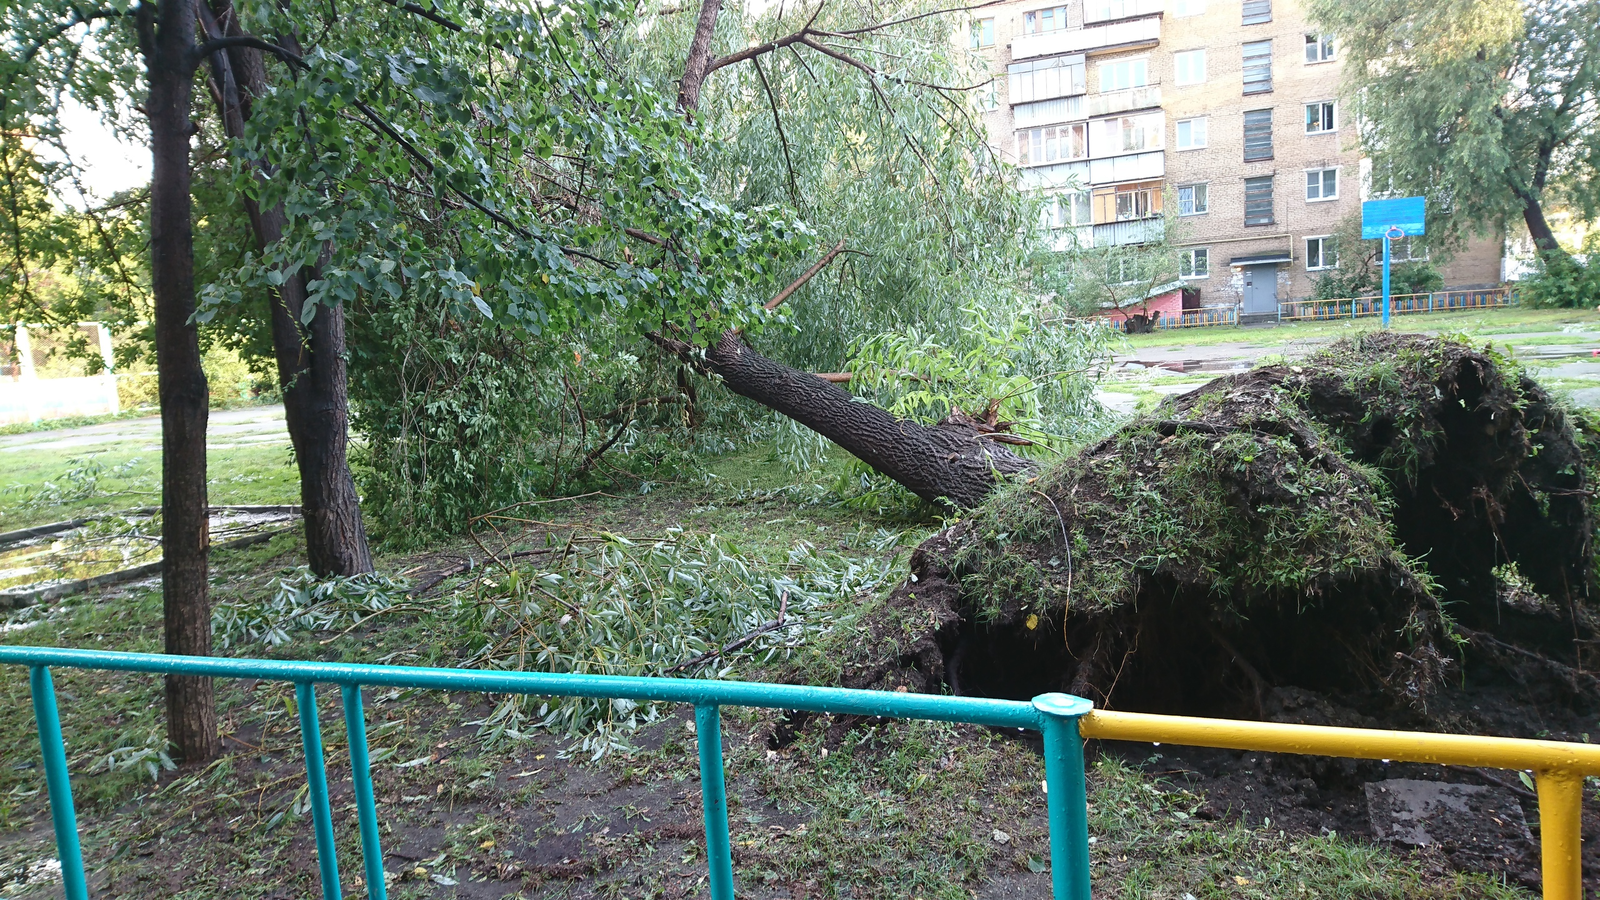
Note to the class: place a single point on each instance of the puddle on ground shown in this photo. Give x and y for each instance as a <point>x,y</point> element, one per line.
<point>112,544</point>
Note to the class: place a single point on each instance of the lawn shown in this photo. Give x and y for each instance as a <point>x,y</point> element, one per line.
<point>1507,321</point>
<point>859,810</point>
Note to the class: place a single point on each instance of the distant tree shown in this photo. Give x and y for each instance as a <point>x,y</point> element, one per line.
<point>1092,280</point>
<point>1359,272</point>
<point>1487,107</point>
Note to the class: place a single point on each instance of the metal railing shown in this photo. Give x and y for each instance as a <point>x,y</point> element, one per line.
<point>1190,318</point>
<point>1358,307</point>
<point>1065,722</point>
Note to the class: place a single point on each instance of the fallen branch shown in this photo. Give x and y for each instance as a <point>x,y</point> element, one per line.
<point>810,273</point>
<point>774,625</point>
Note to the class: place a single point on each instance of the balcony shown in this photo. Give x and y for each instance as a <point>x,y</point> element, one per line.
<point>1133,231</point>
<point>1131,33</point>
<point>1107,10</point>
<point>1132,167</point>
<point>1124,100</point>
<point>1055,175</point>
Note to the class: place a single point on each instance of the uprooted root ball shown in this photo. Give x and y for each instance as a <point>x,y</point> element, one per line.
<point>1353,525</point>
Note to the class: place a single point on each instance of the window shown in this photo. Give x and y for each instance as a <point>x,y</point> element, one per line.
<point>1136,204</point>
<point>1257,135</point>
<point>1258,67</point>
<point>1258,201</point>
<point>1102,10</point>
<point>1191,133</point>
<point>1404,250</point>
<point>1193,199</point>
<point>1320,118</point>
<point>1051,144</point>
<point>1051,18</point>
<point>983,33</point>
<point>1124,73</point>
<point>1194,263</point>
<point>1064,210</point>
<point>1319,48</point>
<point>1128,134</point>
<point>1257,12</point>
<point>1044,79</point>
<point>1181,8</point>
<point>1322,184</point>
<point>1321,253</point>
<point>1189,67</point>
<point>989,96</point>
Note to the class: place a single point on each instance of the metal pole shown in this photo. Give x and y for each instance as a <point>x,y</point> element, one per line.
<point>355,726</point>
<point>1066,797</point>
<point>714,801</point>
<point>317,781</point>
<point>1561,847</point>
<point>1386,243</point>
<point>58,783</point>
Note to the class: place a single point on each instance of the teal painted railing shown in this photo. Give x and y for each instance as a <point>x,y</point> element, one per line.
<point>1054,715</point>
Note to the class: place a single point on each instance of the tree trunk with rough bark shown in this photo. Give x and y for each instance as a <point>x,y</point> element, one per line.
<point>167,35</point>
<point>311,358</point>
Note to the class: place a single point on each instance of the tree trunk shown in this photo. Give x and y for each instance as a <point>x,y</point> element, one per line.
<point>699,61</point>
<point>311,360</point>
<point>167,35</point>
<point>951,464</point>
<point>1544,240</point>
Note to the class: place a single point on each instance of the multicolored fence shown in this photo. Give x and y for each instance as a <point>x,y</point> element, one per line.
<point>1399,304</point>
<point>1064,720</point>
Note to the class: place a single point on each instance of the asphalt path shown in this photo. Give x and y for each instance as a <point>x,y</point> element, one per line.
<point>228,428</point>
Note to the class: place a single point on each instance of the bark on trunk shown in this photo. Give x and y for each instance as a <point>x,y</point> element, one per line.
<point>699,61</point>
<point>1544,240</point>
<point>167,33</point>
<point>311,360</point>
<point>950,464</point>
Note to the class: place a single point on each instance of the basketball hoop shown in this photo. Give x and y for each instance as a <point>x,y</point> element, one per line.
<point>1395,233</point>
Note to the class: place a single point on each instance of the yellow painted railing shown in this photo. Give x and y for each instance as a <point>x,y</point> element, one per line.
<point>1559,768</point>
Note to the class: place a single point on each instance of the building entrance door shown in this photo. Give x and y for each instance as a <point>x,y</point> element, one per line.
<point>1260,290</point>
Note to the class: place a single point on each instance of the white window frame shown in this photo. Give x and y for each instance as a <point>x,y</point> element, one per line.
<point>1025,137</point>
<point>1322,184</point>
<point>1141,62</point>
<point>1059,16</point>
<point>1205,136</point>
<point>1322,107</point>
<point>1324,245</point>
<point>976,41</point>
<point>1325,49</point>
<point>1196,209</point>
<point>1178,67</point>
<point>1071,203</point>
<point>1191,260</point>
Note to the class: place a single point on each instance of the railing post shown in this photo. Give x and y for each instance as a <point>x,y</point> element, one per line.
<point>1560,844</point>
<point>1066,797</point>
<point>714,800</point>
<point>317,782</point>
<point>355,727</point>
<point>58,783</point>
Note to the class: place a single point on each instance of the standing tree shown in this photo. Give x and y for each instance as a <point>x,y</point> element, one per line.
<point>1123,277</point>
<point>1490,108</point>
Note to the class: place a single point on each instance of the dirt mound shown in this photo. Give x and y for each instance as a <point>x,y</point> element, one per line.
<point>1363,525</point>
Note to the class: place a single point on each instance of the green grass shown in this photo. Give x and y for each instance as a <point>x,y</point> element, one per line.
<point>38,486</point>
<point>895,810</point>
<point>1508,321</point>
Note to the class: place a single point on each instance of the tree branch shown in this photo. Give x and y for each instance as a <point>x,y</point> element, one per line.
<point>200,52</point>
<point>810,273</point>
<point>425,13</point>
<point>783,139</point>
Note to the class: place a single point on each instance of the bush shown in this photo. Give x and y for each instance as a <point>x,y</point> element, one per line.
<point>1563,281</point>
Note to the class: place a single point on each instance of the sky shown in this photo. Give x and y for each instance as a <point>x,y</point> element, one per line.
<point>110,165</point>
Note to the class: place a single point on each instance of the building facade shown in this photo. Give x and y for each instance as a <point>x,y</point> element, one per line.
<point>1229,109</point>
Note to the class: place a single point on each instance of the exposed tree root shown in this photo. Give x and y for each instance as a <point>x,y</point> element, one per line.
<point>1354,526</point>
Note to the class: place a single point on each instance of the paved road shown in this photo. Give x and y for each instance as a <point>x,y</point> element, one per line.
<point>228,428</point>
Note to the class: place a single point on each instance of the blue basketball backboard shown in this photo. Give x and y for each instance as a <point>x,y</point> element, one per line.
<point>1409,214</point>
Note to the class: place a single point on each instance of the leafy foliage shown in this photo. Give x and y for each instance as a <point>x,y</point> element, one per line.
<point>1487,107</point>
<point>304,602</point>
<point>1560,280</point>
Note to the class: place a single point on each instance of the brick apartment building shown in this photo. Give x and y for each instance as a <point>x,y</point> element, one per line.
<point>1228,108</point>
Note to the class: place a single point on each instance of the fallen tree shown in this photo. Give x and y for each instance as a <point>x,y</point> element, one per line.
<point>1350,526</point>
